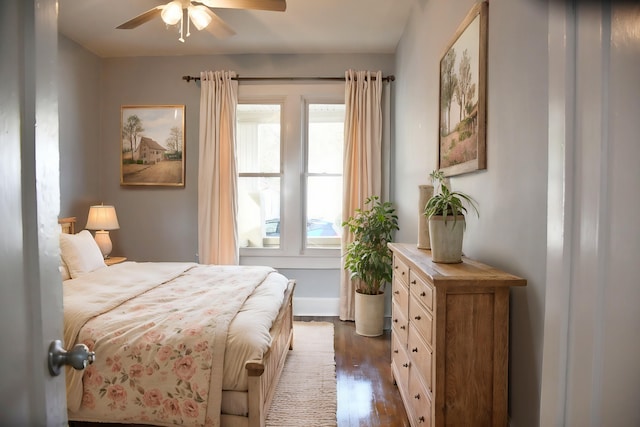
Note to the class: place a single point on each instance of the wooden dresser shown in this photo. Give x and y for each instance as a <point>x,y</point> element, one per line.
<point>450,339</point>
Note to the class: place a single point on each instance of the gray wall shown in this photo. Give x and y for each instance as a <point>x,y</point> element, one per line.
<point>79,92</point>
<point>160,224</point>
<point>511,192</point>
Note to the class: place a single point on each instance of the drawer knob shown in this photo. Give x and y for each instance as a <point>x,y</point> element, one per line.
<point>417,396</point>
<point>395,320</point>
<point>417,317</point>
<point>423,294</point>
<point>415,350</point>
<point>413,282</point>
<point>421,419</point>
<point>405,365</point>
<point>395,351</point>
<point>402,273</point>
<point>403,327</point>
<point>396,292</point>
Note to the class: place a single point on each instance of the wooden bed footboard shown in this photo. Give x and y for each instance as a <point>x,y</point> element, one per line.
<point>264,374</point>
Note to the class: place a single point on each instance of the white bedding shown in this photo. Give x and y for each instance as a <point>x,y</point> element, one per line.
<point>249,331</point>
<point>246,334</point>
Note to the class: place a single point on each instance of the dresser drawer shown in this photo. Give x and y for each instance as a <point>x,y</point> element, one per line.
<point>421,357</point>
<point>401,271</point>
<point>421,290</point>
<point>422,320</point>
<point>400,295</point>
<point>399,324</point>
<point>400,362</point>
<point>420,402</point>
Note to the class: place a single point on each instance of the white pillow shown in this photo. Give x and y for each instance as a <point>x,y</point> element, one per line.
<point>80,253</point>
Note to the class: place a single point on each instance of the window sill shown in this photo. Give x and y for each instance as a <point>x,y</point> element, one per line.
<point>294,262</point>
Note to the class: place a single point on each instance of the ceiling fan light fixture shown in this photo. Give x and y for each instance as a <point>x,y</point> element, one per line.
<point>172,12</point>
<point>199,16</point>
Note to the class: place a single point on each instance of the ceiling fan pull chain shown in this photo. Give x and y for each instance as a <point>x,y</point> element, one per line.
<point>181,28</point>
<point>188,25</point>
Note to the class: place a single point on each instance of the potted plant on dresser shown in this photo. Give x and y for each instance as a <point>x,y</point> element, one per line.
<point>446,213</point>
<point>369,260</point>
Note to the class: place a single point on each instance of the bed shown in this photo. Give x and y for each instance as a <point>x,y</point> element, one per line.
<point>167,351</point>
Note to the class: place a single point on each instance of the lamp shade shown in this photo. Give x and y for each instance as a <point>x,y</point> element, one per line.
<point>102,217</point>
<point>199,16</point>
<point>171,13</point>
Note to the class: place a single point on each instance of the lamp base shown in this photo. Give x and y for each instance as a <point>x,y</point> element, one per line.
<point>104,242</point>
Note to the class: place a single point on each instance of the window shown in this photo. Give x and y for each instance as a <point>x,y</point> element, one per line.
<point>325,145</point>
<point>289,153</point>
<point>259,174</point>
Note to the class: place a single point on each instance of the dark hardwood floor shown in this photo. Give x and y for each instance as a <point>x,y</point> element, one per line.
<point>367,395</point>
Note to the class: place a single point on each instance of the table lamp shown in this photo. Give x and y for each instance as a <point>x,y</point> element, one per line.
<point>102,218</point>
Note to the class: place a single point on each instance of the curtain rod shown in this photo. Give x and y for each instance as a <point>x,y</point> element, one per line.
<point>386,79</point>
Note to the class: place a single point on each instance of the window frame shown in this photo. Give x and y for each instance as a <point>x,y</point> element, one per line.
<point>306,174</point>
<point>294,100</point>
<point>281,173</point>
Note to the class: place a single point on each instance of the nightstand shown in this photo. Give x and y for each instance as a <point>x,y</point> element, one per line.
<point>115,260</point>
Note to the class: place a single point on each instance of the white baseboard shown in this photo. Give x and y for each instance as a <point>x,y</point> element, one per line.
<point>328,307</point>
<point>316,306</point>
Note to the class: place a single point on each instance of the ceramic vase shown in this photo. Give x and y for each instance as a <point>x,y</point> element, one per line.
<point>425,193</point>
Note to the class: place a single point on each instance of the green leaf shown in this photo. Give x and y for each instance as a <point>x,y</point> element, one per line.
<point>448,203</point>
<point>367,256</point>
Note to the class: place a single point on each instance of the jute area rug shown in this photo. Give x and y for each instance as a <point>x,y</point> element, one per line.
<point>306,393</point>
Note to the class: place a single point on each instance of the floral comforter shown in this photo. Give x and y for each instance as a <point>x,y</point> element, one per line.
<point>159,332</point>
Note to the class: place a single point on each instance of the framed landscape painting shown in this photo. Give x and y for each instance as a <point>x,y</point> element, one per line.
<point>152,145</point>
<point>463,92</point>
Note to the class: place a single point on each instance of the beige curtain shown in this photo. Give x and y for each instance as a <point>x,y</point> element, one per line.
<point>362,160</point>
<point>217,179</point>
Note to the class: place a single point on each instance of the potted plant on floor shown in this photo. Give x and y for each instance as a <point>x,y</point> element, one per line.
<point>446,213</point>
<point>369,260</point>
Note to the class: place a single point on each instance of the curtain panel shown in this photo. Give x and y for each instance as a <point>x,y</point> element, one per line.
<point>362,172</point>
<point>217,177</point>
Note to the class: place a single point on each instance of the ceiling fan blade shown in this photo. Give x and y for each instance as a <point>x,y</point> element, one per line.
<point>141,19</point>
<point>274,5</point>
<point>218,27</point>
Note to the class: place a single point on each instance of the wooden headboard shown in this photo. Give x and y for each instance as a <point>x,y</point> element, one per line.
<point>68,225</point>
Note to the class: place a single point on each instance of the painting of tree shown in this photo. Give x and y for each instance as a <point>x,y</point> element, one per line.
<point>130,131</point>
<point>152,145</point>
<point>462,122</point>
<point>174,141</point>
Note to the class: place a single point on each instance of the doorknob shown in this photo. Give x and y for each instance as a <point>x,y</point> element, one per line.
<point>78,358</point>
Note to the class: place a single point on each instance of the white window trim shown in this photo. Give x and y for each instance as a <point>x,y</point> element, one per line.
<point>294,99</point>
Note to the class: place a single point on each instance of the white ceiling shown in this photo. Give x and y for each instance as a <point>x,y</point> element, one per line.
<point>307,26</point>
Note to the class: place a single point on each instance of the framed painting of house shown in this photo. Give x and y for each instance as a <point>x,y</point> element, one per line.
<point>463,94</point>
<point>152,145</point>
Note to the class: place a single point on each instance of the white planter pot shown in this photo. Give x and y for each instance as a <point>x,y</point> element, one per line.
<point>446,239</point>
<point>369,311</point>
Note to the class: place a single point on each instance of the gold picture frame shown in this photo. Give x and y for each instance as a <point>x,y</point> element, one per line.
<point>462,122</point>
<point>152,145</point>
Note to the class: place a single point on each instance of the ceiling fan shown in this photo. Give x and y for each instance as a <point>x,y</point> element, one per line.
<point>200,13</point>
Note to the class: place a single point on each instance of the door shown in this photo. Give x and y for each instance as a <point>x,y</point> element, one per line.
<point>31,288</point>
<point>590,374</point>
